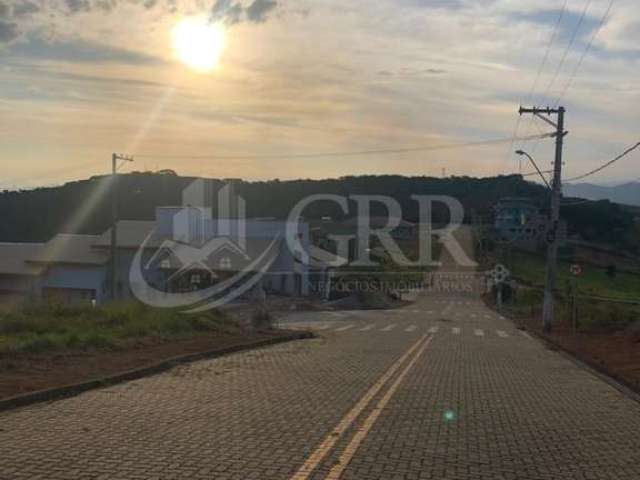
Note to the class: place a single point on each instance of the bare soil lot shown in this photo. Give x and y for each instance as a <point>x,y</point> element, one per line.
<point>614,353</point>
<point>28,372</point>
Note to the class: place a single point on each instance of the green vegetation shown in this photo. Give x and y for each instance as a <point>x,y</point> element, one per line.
<point>140,193</point>
<point>591,314</point>
<point>54,327</point>
<point>530,269</point>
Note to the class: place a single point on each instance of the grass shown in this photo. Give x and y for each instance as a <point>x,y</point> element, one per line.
<point>594,281</point>
<point>56,327</point>
<point>593,315</point>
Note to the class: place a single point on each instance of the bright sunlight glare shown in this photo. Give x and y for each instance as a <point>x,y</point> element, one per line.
<point>198,43</point>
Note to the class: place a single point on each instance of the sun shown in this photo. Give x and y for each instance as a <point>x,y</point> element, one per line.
<point>198,43</point>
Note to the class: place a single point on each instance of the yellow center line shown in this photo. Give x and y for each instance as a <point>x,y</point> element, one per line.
<point>336,472</point>
<point>327,444</point>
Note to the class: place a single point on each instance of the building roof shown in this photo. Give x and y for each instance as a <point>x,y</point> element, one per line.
<point>131,234</point>
<point>71,249</point>
<point>13,258</point>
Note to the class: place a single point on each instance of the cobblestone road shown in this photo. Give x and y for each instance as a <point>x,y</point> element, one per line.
<point>443,389</point>
<point>481,400</point>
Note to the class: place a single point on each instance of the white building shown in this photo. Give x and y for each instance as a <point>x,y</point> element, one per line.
<point>75,268</point>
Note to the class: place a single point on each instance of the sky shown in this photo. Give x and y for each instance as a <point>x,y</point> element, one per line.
<point>80,79</point>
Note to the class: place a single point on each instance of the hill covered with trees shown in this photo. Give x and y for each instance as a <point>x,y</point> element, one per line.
<point>85,206</point>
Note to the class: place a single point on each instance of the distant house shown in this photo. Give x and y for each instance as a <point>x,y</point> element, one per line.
<point>18,278</point>
<point>512,214</point>
<point>519,222</point>
<point>72,269</point>
<point>75,268</point>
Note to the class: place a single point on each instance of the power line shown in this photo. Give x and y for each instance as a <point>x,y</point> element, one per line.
<point>535,174</point>
<point>57,172</point>
<point>563,59</point>
<point>546,55</point>
<point>606,165</point>
<point>568,49</point>
<point>543,64</point>
<point>345,153</point>
<point>584,53</point>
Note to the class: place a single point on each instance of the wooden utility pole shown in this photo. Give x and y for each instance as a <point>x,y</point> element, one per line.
<point>556,196</point>
<point>113,266</point>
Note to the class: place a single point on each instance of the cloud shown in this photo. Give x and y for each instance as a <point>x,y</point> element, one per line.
<point>231,12</point>
<point>77,51</point>
<point>8,31</point>
<point>25,8</point>
<point>570,21</point>
<point>76,6</point>
<point>259,9</point>
<point>227,11</point>
<point>448,4</point>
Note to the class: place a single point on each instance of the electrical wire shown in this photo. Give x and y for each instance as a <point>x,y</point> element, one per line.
<point>543,64</point>
<point>584,54</point>
<point>568,49</point>
<point>606,165</point>
<point>342,154</point>
<point>563,59</point>
<point>55,173</point>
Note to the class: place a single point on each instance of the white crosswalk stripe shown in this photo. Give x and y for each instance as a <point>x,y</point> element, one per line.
<point>345,328</point>
<point>366,329</point>
<point>410,328</point>
<point>388,328</point>
<point>456,330</point>
<point>434,329</point>
<point>478,332</point>
<point>502,333</point>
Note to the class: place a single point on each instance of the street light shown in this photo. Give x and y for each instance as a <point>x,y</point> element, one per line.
<point>523,153</point>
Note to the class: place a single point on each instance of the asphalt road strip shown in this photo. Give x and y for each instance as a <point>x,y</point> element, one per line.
<point>336,433</point>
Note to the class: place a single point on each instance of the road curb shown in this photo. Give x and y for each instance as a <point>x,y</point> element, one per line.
<point>595,369</point>
<point>67,391</point>
<point>590,366</point>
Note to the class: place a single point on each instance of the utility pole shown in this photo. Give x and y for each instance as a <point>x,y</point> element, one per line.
<point>556,195</point>
<point>113,268</point>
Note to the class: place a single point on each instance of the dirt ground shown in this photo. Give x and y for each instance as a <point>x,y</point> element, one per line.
<point>30,372</point>
<point>615,353</point>
<point>24,373</point>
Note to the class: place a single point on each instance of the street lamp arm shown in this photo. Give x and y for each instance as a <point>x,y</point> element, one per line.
<point>522,152</point>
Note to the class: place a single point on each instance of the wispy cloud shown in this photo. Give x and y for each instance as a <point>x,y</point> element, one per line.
<point>8,31</point>
<point>76,50</point>
<point>233,12</point>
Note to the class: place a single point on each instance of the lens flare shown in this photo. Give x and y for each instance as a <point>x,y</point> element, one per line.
<point>198,43</point>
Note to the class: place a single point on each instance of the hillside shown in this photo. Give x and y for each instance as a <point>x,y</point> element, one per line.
<point>84,206</point>
<point>627,193</point>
